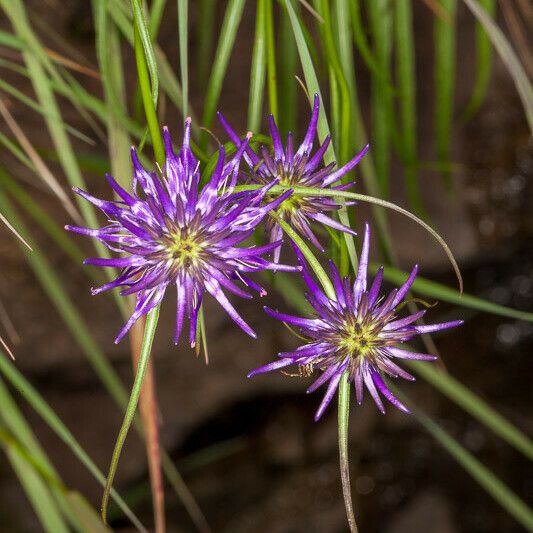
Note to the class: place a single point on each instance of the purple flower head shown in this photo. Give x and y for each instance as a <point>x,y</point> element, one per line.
<point>358,333</point>
<point>174,234</point>
<point>293,169</point>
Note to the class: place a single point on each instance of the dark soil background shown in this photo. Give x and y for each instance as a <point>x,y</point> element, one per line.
<point>249,449</point>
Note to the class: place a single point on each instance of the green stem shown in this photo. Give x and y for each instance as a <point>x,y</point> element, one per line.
<point>151,324</point>
<point>309,256</point>
<point>310,191</point>
<point>344,412</point>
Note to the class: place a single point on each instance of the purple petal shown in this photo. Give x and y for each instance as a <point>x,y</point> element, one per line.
<point>398,324</point>
<point>360,281</point>
<point>320,217</point>
<point>213,288</point>
<point>387,393</point>
<point>373,293</point>
<point>330,392</point>
<point>324,377</point>
<point>405,354</point>
<point>338,174</point>
<point>404,289</point>
<point>290,319</point>
<point>271,366</point>
<point>276,139</point>
<point>307,143</point>
<point>430,328</point>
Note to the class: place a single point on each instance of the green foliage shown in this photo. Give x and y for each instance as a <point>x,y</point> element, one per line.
<point>375,35</point>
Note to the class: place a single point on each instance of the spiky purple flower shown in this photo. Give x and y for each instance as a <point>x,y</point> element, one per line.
<point>358,333</point>
<point>294,169</point>
<point>175,234</point>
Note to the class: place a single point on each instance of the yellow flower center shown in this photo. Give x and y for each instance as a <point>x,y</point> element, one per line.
<point>184,250</point>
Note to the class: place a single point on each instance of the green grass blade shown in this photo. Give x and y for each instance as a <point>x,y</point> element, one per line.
<point>405,68</point>
<point>380,18</point>
<point>38,493</point>
<point>444,84</point>
<point>473,404</point>
<point>257,74</point>
<point>44,221</point>
<point>204,38</point>
<point>54,289</point>
<point>37,402</point>
<point>483,63</point>
<point>16,151</point>
<point>508,56</point>
<point>156,14</point>
<point>109,57</point>
<point>29,102</point>
<point>334,63</point>
<point>32,451</point>
<point>47,100</point>
<point>149,55</point>
<point>184,64</point>
<point>228,32</point>
<point>359,134</point>
<point>311,82</point>
<point>151,325</point>
<point>20,430</point>
<point>148,101</point>
<point>438,291</point>
<point>515,506</point>
<point>361,43</point>
<point>288,101</point>
<point>271,59</point>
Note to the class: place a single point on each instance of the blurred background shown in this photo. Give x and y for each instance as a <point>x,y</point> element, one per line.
<point>248,450</point>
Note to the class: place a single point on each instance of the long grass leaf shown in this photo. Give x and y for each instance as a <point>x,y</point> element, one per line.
<point>323,127</point>
<point>38,493</point>
<point>204,37</point>
<point>149,55</point>
<point>37,402</point>
<point>380,19</point>
<point>438,291</point>
<point>405,68</point>
<point>474,405</point>
<point>42,170</point>
<point>444,85</point>
<point>184,61</point>
<point>271,59</point>
<point>515,506</point>
<point>508,56</point>
<point>483,63</point>
<point>257,73</point>
<point>228,32</point>
<point>32,104</point>
<point>288,103</point>
<point>157,8</point>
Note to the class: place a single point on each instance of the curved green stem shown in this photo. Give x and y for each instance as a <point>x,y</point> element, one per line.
<point>310,191</point>
<point>151,324</point>
<point>309,256</point>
